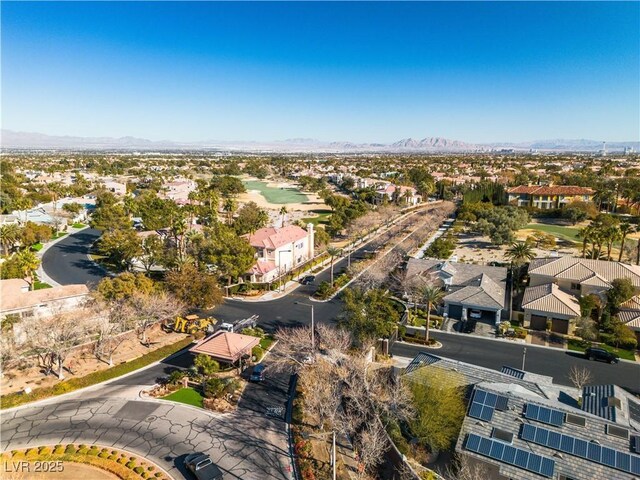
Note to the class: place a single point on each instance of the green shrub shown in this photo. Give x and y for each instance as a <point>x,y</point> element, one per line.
<point>158,474</point>
<point>32,452</point>
<point>151,468</point>
<point>257,352</point>
<point>44,451</point>
<point>205,364</point>
<point>113,458</point>
<point>93,451</point>
<point>59,450</point>
<point>214,388</point>
<point>131,465</point>
<point>83,450</point>
<point>138,470</point>
<point>122,460</point>
<point>70,449</point>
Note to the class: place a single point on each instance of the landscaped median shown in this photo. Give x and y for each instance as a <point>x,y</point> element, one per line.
<point>77,461</point>
<point>20,398</point>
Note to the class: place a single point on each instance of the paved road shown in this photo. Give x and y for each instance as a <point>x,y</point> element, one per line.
<point>67,263</point>
<point>248,444</point>
<point>555,363</point>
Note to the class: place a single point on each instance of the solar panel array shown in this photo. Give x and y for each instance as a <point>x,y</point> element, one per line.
<point>544,414</point>
<point>517,457</point>
<point>484,403</point>
<point>582,448</point>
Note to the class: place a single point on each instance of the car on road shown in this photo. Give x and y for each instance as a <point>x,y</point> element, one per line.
<point>257,375</point>
<point>308,280</point>
<point>202,467</point>
<point>469,326</point>
<point>601,354</point>
<point>475,314</point>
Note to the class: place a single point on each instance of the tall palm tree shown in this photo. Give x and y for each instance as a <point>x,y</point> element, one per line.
<point>28,263</point>
<point>333,252</point>
<point>520,253</point>
<point>229,206</point>
<point>283,213</point>
<point>611,234</point>
<point>430,295</point>
<point>585,234</point>
<point>9,235</point>
<point>625,229</point>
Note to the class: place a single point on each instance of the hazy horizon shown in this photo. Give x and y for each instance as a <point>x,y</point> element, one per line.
<point>353,72</point>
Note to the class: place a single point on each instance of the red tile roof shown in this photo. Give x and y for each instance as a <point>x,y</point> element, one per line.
<point>551,190</point>
<point>226,346</point>
<point>274,237</point>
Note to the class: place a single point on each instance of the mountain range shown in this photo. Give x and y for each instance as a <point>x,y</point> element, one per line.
<point>38,141</point>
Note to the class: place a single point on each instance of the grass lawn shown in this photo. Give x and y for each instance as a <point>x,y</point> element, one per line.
<point>78,225</point>
<point>566,233</point>
<point>40,285</point>
<point>321,219</point>
<point>580,346</point>
<point>276,195</point>
<point>187,395</point>
<point>37,247</point>
<point>58,235</point>
<point>266,342</point>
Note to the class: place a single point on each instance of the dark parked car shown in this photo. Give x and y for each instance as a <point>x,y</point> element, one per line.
<point>308,279</point>
<point>202,467</point>
<point>469,326</point>
<point>601,354</point>
<point>257,375</point>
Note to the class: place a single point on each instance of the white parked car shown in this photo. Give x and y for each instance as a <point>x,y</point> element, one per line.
<point>475,314</point>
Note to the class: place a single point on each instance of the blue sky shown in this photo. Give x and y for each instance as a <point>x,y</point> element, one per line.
<point>477,72</point>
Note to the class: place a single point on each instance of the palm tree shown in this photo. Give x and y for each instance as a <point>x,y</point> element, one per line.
<point>611,234</point>
<point>9,235</point>
<point>28,263</point>
<point>625,229</point>
<point>430,295</point>
<point>520,253</point>
<point>585,235</point>
<point>283,212</point>
<point>333,252</point>
<point>229,206</point>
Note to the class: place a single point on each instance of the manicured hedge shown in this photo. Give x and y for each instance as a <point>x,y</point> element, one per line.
<point>19,398</point>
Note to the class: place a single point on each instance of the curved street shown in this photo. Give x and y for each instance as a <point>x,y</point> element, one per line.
<point>250,443</point>
<point>66,261</point>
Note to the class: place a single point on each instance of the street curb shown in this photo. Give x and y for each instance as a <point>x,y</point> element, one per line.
<point>86,389</point>
<point>524,345</point>
<point>123,450</point>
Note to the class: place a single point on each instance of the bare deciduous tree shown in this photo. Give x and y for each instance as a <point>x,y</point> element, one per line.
<point>579,376</point>
<point>150,309</point>
<point>111,321</point>
<point>55,336</point>
<point>371,444</point>
<point>465,468</point>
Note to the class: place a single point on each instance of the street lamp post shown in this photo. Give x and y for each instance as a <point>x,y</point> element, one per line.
<point>524,356</point>
<point>313,326</point>
<point>280,268</point>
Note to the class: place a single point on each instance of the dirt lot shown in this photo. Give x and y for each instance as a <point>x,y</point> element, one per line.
<point>83,362</point>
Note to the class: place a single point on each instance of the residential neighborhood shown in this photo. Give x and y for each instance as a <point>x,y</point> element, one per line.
<point>320,241</point>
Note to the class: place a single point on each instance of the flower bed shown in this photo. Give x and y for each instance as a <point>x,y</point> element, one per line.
<point>121,464</point>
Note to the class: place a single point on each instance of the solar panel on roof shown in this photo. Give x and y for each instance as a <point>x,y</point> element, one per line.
<point>635,443</point>
<point>544,414</point>
<point>510,455</point>
<point>580,448</point>
<point>575,419</point>
<point>502,403</point>
<point>634,410</point>
<point>483,404</point>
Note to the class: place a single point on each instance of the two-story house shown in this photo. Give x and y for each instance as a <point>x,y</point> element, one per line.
<point>279,250</point>
<point>556,283</point>
<point>546,197</point>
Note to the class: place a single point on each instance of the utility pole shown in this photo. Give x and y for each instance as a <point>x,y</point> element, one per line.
<point>524,356</point>
<point>333,455</point>
<point>313,326</point>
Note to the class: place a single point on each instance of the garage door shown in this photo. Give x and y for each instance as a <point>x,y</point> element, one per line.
<point>558,325</point>
<point>538,322</point>
<point>455,311</point>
